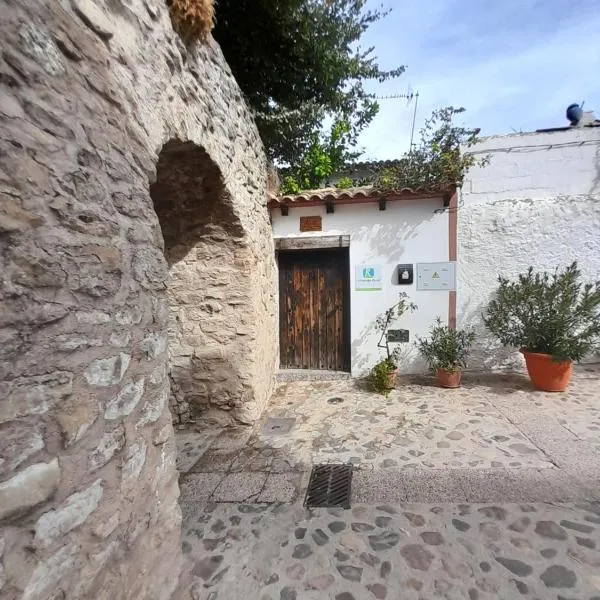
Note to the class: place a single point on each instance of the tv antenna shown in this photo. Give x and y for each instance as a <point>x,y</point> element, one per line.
<point>409,97</point>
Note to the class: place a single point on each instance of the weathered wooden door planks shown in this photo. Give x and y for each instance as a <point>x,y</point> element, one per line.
<point>314,310</point>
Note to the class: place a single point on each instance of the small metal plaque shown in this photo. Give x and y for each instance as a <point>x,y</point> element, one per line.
<point>368,278</point>
<point>278,426</point>
<point>398,335</point>
<point>312,223</point>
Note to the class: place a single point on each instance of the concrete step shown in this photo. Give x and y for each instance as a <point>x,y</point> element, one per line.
<point>284,375</point>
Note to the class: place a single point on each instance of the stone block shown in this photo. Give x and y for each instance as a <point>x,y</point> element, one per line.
<point>125,401</point>
<point>49,574</point>
<point>17,444</point>
<point>34,395</point>
<point>30,487</point>
<point>104,372</point>
<point>154,344</point>
<point>111,441</point>
<point>76,509</point>
<point>133,463</point>
<point>76,414</point>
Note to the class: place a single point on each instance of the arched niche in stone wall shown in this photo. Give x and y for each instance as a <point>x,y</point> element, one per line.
<point>209,284</point>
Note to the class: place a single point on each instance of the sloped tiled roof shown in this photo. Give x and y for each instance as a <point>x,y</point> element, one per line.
<point>351,195</point>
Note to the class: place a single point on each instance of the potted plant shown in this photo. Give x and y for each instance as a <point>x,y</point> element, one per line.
<point>384,374</point>
<point>553,319</point>
<point>446,352</point>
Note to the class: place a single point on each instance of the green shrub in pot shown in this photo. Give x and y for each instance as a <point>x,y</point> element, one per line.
<point>446,351</point>
<point>553,318</point>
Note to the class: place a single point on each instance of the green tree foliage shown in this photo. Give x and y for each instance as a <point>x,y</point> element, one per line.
<point>324,156</point>
<point>297,62</point>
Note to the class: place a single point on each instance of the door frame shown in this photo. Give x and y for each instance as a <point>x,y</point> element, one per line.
<point>313,245</point>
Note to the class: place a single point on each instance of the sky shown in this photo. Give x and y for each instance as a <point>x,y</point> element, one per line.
<point>515,65</point>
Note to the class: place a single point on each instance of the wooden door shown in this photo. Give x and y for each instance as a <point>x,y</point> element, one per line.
<point>314,316</point>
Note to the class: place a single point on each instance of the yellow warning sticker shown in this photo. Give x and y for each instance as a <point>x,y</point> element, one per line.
<point>435,275</point>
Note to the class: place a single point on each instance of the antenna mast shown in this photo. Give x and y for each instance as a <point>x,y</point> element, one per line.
<point>409,97</point>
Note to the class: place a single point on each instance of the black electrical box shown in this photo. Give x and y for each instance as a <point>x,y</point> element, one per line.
<point>397,335</point>
<point>405,274</point>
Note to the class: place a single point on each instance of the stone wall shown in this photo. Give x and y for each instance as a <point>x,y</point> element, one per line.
<point>91,95</point>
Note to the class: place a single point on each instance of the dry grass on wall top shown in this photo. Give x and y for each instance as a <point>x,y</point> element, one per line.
<point>193,19</point>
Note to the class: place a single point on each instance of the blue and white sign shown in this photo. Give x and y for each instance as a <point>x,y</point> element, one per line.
<point>368,278</point>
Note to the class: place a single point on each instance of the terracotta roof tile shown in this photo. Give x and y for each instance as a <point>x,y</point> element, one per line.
<point>356,193</point>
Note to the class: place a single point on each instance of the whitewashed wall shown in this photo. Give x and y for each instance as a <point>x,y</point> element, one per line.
<point>407,232</point>
<point>537,203</point>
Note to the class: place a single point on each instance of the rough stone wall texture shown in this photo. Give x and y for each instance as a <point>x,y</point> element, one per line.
<point>537,203</point>
<point>90,92</point>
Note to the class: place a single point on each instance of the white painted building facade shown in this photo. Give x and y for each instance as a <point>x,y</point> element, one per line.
<point>408,231</point>
<point>536,203</point>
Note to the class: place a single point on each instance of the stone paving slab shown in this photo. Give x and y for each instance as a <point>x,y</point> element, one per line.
<point>192,445</point>
<point>402,551</point>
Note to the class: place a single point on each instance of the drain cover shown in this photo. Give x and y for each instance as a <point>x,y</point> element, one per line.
<point>329,485</point>
<point>335,400</point>
<point>278,425</point>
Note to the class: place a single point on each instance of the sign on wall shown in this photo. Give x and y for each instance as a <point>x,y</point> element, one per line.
<point>312,223</point>
<point>436,276</point>
<point>368,277</point>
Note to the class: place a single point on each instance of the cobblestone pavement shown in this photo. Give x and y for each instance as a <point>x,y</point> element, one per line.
<point>492,434</point>
<point>410,551</point>
<point>488,491</point>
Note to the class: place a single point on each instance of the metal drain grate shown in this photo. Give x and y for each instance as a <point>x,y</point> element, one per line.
<point>329,485</point>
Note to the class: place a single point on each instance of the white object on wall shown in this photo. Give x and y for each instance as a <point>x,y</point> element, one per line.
<point>436,276</point>
<point>368,278</point>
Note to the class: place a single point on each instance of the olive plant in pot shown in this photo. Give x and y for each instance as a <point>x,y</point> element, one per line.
<point>552,318</point>
<point>446,352</point>
<point>383,376</point>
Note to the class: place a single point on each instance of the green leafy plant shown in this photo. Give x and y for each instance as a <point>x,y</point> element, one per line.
<point>380,376</point>
<point>344,183</point>
<point>552,314</point>
<point>439,160</point>
<point>446,348</point>
<point>298,63</point>
<point>289,186</point>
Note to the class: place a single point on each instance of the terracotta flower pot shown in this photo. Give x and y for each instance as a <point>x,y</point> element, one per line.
<point>392,379</point>
<point>548,375</point>
<point>449,379</point>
